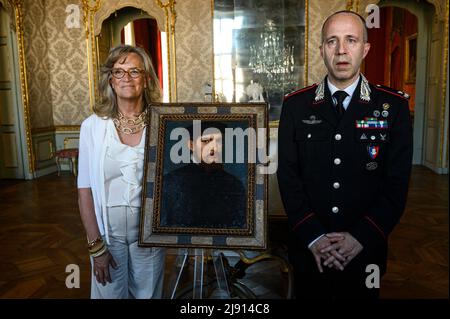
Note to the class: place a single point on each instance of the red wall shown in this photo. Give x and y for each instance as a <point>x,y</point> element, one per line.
<point>375,62</point>
<point>147,36</point>
<point>385,62</point>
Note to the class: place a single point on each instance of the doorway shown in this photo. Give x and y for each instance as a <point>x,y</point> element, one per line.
<point>401,42</point>
<point>12,142</point>
<point>135,27</point>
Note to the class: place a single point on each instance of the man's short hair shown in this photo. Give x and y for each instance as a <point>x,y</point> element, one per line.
<point>363,21</point>
<point>205,125</point>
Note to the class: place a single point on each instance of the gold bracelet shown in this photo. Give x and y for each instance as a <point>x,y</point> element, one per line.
<point>95,241</point>
<point>101,252</point>
<point>96,248</point>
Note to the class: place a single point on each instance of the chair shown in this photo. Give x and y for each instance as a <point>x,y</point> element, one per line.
<point>69,152</point>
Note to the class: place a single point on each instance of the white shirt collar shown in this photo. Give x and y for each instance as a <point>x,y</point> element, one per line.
<point>349,90</point>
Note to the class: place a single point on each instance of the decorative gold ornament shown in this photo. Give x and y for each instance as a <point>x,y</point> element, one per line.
<point>18,10</point>
<point>130,126</point>
<point>169,6</point>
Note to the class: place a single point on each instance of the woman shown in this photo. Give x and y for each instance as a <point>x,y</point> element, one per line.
<point>111,158</point>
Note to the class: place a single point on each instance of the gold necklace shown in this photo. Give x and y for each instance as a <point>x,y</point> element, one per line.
<point>130,126</point>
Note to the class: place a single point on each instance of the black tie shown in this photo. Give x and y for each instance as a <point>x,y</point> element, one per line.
<point>340,97</point>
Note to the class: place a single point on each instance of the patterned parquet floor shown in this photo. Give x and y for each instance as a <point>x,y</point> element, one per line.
<point>41,233</point>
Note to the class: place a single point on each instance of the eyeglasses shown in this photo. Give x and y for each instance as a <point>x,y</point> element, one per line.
<point>120,73</point>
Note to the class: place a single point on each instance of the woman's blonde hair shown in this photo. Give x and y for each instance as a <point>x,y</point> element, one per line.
<point>108,100</point>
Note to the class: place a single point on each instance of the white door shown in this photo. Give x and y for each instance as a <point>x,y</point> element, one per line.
<point>11,148</point>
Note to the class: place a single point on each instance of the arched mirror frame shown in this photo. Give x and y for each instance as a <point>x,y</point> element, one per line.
<point>95,12</point>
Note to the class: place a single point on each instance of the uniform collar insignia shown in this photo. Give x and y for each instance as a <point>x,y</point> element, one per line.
<point>320,91</point>
<point>364,93</point>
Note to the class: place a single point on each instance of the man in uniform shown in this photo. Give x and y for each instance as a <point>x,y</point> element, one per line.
<point>344,162</point>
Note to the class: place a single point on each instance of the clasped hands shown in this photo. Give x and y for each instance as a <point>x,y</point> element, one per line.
<point>335,250</point>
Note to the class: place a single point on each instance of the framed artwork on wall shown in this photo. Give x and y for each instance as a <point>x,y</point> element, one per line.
<point>410,58</point>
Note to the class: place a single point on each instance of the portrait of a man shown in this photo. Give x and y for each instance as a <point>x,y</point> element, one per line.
<point>203,194</point>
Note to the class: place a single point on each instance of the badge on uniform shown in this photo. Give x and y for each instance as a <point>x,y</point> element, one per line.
<point>371,123</point>
<point>371,166</point>
<point>312,120</point>
<point>373,151</point>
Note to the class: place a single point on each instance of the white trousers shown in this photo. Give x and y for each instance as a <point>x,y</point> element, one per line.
<point>140,271</point>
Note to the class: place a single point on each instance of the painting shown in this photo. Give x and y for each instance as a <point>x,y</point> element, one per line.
<point>410,59</point>
<point>204,184</point>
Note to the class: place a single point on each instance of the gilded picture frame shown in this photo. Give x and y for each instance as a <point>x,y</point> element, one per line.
<point>192,204</point>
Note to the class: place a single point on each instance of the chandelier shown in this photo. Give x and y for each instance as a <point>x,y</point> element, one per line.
<point>272,60</point>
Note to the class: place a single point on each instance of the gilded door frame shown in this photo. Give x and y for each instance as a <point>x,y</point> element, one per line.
<point>96,11</point>
<point>16,6</point>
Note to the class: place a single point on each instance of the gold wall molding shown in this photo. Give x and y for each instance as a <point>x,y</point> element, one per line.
<point>213,84</point>
<point>444,88</point>
<point>352,6</point>
<point>110,6</point>
<point>90,7</point>
<point>41,130</point>
<point>349,5</point>
<point>441,9</point>
<point>66,128</point>
<point>170,13</point>
<point>56,129</point>
<point>18,11</point>
<point>44,150</point>
<point>305,75</point>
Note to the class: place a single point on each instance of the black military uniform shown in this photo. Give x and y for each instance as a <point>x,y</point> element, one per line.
<point>197,196</point>
<point>347,175</point>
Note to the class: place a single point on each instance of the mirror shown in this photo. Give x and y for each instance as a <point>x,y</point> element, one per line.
<point>259,55</point>
<point>259,50</point>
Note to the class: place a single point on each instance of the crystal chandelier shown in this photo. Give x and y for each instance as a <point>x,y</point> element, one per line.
<point>272,59</point>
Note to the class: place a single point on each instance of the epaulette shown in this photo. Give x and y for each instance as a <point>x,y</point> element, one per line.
<point>392,91</point>
<point>300,91</point>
